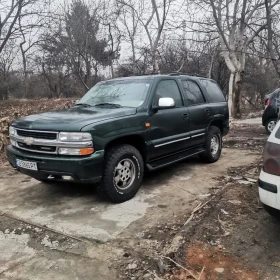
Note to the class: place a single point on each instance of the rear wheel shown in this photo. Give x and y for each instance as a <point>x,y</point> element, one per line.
<point>213,145</point>
<point>270,124</point>
<point>123,173</point>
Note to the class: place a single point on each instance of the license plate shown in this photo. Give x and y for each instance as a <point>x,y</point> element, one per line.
<point>27,164</point>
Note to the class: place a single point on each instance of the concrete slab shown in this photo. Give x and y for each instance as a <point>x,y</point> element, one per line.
<point>77,210</point>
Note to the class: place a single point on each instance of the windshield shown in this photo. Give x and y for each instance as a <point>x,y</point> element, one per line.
<point>126,93</point>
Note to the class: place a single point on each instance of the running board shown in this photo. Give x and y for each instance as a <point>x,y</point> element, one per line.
<point>162,162</point>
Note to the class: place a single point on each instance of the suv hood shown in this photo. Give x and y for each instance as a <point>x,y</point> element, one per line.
<point>73,119</point>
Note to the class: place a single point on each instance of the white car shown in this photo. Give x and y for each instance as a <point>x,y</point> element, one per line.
<point>269,180</point>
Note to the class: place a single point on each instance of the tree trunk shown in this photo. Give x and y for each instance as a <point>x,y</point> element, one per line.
<point>154,62</point>
<point>133,58</point>
<point>26,84</point>
<point>239,75</point>
<point>230,93</point>
<point>95,74</point>
<point>211,64</point>
<point>112,68</point>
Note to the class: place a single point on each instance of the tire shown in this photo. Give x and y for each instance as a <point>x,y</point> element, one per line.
<point>212,153</point>
<point>123,173</point>
<point>269,125</point>
<point>272,211</point>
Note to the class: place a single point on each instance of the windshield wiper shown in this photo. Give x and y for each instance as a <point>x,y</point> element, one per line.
<point>82,104</point>
<point>108,104</point>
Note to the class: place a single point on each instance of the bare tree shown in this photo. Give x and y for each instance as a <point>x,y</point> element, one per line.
<point>157,13</point>
<point>237,23</point>
<point>273,38</point>
<point>129,18</point>
<point>7,57</point>
<point>11,11</point>
<point>237,29</point>
<point>109,15</point>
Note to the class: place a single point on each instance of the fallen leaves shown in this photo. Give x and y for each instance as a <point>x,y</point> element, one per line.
<point>14,109</point>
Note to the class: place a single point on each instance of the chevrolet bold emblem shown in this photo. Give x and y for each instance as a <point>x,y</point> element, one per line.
<point>28,141</point>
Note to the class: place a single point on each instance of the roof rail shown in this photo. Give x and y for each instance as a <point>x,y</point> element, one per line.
<point>175,73</point>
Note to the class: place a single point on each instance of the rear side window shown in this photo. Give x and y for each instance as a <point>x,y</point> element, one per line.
<point>193,93</point>
<point>214,92</point>
<point>169,88</point>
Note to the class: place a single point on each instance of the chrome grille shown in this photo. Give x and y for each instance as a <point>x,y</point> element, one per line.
<point>37,134</point>
<point>44,149</point>
<point>45,142</point>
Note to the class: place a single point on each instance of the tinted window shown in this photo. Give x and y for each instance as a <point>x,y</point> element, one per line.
<point>214,92</point>
<point>169,88</point>
<point>131,93</point>
<point>193,93</point>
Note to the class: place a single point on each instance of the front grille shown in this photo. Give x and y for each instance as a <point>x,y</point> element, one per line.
<point>36,134</point>
<point>44,149</point>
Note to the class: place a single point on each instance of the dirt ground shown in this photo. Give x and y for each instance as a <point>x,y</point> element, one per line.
<point>189,221</point>
<point>66,231</point>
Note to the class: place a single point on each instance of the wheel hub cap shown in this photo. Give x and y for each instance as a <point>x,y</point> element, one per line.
<point>214,145</point>
<point>124,174</point>
<point>271,126</point>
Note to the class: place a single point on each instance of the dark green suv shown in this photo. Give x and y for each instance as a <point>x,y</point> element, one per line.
<point>120,127</point>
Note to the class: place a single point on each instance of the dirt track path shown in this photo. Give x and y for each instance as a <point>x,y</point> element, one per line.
<point>81,236</point>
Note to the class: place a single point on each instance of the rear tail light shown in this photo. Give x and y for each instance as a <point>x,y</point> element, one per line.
<point>267,103</point>
<point>271,158</point>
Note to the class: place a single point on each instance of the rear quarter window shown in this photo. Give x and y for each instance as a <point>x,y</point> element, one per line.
<point>214,92</point>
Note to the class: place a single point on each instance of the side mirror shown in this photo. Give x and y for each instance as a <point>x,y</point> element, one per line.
<point>164,103</point>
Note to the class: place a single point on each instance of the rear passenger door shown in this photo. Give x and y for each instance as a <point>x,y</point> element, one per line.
<point>199,111</point>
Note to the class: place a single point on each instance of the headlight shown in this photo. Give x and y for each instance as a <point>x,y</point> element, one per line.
<point>12,131</point>
<point>74,136</point>
<point>75,152</point>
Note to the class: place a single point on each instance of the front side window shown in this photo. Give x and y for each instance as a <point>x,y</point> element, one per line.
<point>125,93</point>
<point>193,93</point>
<point>168,88</point>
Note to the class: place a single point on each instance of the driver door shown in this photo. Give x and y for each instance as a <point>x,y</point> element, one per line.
<point>170,131</point>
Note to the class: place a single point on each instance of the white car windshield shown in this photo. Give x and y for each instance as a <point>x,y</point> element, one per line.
<point>119,93</point>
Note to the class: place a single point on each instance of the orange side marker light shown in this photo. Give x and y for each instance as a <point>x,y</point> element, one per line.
<point>86,151</point>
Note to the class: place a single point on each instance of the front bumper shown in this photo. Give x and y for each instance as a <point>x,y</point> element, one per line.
<point>81,169</point>
<point>269,190</point>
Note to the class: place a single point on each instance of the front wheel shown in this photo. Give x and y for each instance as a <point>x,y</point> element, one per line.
<point>123,173</point>
<point>213,145</point>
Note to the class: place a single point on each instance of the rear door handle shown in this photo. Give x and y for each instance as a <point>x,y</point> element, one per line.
<point>185,116</point>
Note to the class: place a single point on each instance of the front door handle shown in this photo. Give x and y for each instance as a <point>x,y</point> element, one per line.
<point>207,111</point>
<point>185,116</point>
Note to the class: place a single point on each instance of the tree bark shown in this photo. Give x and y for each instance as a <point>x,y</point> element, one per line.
<point>238,81</point>
<point>133,58</point>
<point>230,93</point>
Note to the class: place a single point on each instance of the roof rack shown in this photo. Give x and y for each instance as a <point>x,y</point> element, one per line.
<point>175,73</point>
